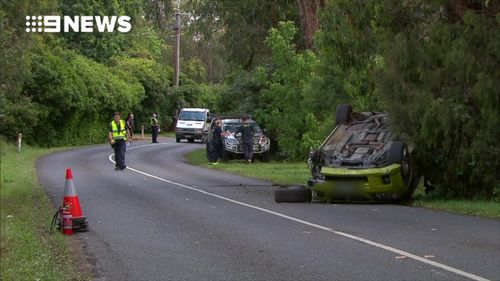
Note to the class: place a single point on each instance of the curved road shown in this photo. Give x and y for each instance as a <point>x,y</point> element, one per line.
<point>166,220</point>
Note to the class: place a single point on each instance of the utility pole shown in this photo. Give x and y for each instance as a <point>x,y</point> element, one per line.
<point>177,47</point>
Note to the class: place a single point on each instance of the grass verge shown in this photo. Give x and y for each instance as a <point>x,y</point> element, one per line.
<point>481,208</point>
<point>297,172</point>
<point>147,136</point>
<point>29,249</point>
<point>276,172</point>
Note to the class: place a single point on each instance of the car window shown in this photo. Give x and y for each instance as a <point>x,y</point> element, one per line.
<point>231,127</point>
<point>192,116</point>
<point>232,124</point>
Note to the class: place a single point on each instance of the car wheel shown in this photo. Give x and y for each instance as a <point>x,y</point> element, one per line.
<point>342,114</point>
<point>399,153</point>
<point>265,156</point>
<point>190,140</point>
<point>293,194</point>
<point>177,140</point>
<point>315,156</point>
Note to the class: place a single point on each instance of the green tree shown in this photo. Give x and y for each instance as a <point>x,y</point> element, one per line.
<point>244,26</point>
<point>282,112</point>
<point>195,69</point>
<point>241,94</point>
<point>155,80</point>
<point>18,114</point>
<point>442,89</point>
<point>96,45</point>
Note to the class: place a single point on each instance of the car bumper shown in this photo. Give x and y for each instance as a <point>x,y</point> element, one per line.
<point>257,149</point>
<point>363,185</point>
<point>189,135</point>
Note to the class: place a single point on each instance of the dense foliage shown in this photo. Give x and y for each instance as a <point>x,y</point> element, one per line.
<point>282,110</point>
<point>445,94</point>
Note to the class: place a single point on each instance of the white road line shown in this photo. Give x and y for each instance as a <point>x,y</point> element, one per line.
<point>331,230</point>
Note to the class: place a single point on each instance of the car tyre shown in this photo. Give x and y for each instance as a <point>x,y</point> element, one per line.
<point>315,157</point>
<point>343,113</point>
<point>190,140</point>
<point>399,153</point>
<point>265,156</point>
<point>177,140</point>
<point>293,194</point>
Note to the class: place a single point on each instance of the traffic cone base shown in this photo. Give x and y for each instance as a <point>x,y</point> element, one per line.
<point>67,222</point>
<point>79,222</point>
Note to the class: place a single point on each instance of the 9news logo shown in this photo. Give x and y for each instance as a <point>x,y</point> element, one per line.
<point>55,24</point>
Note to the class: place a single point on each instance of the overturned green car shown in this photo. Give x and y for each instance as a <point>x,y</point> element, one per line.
<point>360,161</point>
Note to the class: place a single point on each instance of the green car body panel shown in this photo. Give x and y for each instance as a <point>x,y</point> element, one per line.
<point>364,185</point>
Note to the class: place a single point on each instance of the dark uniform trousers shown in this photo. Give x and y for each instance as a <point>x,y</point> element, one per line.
<point>248,149</point>
<point>218,147</point>
<point>154,134</point>
<point>120,147</point>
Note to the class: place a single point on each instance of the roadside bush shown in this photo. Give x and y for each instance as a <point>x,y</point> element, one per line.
<point>155,79</point>
<point>74,100</point>
<point>443,91</point>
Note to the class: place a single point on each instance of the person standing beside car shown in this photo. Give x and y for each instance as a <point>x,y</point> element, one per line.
<point>217,145</point>
<point>155,128</point>
<point>117,136</point>
<point>247,130</point>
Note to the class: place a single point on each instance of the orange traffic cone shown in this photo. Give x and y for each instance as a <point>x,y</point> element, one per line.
<point>71,200</point>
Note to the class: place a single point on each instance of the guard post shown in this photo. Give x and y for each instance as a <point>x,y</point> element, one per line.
<point>19,141</point>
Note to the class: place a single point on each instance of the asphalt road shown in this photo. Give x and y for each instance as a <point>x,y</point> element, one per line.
<point>166,220</point>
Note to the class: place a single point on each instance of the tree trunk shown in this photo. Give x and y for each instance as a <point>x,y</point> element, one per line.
<point>309,21</point>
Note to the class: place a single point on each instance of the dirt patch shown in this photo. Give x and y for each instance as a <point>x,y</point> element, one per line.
<point>84,262</point>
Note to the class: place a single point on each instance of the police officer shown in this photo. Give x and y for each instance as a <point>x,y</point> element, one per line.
<point>118,134</point>
<point>155,128</point>
<point>247,130</point>
<point>217,147</point>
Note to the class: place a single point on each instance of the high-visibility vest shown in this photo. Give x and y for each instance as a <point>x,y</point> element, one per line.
<point>154,121</point>
<point>120,134</point>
